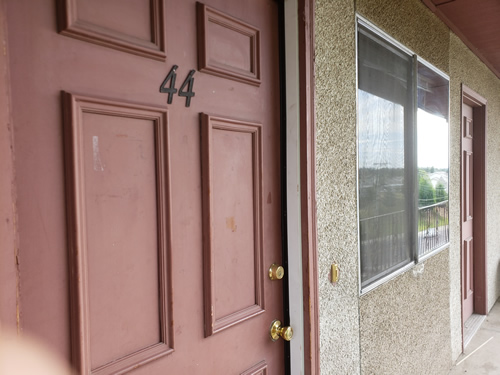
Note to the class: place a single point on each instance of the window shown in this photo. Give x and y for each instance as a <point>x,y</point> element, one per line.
<point>402,157</point>
<point>432,161</point>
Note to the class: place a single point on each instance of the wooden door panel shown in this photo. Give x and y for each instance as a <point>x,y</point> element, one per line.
<point>468,185</point>
<point>232,190</point>
<point>228,47</point>
<point>468,129</point>
<point>259,369</point>
<point>468,266</point>
<point>137,28</point>
<point>122,236</point>
<point>468,283</point>
<point>119,238</point>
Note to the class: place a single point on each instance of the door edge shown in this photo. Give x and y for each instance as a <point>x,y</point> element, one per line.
<point>308,186</point>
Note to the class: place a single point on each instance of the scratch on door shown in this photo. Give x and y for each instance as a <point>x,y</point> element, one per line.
<point>98,166</point>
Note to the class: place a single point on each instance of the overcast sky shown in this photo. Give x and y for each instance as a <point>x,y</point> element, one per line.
<point>432,140</point>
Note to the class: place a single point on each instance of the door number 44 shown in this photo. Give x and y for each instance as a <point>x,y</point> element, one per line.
<point>169,88</point>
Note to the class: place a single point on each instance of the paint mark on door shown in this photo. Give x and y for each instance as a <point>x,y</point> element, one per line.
<point>98,166</point>
<point>231,224</point>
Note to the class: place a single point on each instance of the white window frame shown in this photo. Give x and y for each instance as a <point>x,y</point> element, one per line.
<point>416,260</point>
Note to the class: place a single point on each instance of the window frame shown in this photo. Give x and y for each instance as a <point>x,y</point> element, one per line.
<point>415,258</point>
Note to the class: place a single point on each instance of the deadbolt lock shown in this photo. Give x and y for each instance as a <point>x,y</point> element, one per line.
<point>276,331</point>
<point>276,272</point>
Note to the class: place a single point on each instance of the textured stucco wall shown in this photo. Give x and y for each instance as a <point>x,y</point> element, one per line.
<point>404,323</point>
<point>419,305</point>
<point>409,315</point>
<point>412,24</point>
<point>411,324</point>
<point>335,78</point>
<point>455,228</point>
<point>466,68</point>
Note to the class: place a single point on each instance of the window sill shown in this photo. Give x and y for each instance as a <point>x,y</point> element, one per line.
<point>400,271</point>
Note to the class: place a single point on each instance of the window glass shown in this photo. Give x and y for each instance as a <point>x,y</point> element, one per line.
<point>385,102</point>
<point>403,109</point>
<point>432,140</point>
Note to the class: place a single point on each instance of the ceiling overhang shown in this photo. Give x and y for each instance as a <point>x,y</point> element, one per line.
<point>476,23</point>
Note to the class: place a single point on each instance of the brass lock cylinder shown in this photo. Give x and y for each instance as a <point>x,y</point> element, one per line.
<point>276,272</point>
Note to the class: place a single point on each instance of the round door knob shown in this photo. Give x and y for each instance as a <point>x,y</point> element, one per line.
<point>276,272</point>
<point>286,333</point>
<point>276,331</point>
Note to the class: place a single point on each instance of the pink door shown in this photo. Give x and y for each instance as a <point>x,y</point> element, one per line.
<point>147,162</point>
<point>467,213</point>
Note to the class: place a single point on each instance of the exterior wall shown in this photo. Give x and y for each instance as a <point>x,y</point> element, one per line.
<point>412,323</point>
<point>405,322</point>
<point>8,273</point>
<point>455,229</point>
<point>335,80</point>
<point>410,314</point>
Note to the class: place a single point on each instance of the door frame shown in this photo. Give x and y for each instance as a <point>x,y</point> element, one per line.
<point>9,272</point>
<point>300,179</point>
<point>478,104</point>
<point>307,146</point>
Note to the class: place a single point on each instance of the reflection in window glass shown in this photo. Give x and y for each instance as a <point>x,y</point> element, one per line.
<point>402,157</point>
<point>432,141</point>
<point>384,145</point>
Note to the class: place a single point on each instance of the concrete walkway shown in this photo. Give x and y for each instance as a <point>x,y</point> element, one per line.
<point>482,355</point>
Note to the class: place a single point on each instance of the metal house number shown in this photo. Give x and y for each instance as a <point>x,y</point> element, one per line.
<point>171,90</point>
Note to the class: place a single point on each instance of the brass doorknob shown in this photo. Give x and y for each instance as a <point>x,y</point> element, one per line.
<point>276,272</point>
<point>276,331</point>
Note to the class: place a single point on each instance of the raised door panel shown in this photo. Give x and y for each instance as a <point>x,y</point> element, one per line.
<point>232,189</point>
<point>137,28</point>
<point>227,46</point>
<point>117,183</point>
<point>258,369</point>
<point>468,129</point>
<point>468,183</point>
<point>467,278</point>
<point>468,267</point>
